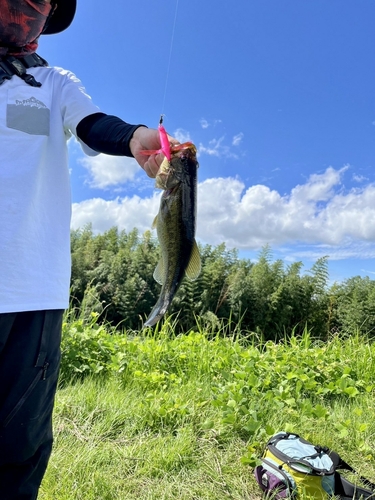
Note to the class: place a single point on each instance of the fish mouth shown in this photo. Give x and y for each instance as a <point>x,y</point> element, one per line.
<point>186,150</point>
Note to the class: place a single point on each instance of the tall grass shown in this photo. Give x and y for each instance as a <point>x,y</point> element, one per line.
<point>158,416</point>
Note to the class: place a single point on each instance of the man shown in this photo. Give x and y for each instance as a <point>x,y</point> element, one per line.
<point>40,107</point>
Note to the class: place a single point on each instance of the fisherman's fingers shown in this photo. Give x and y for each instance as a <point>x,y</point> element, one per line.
<point>152,164</point>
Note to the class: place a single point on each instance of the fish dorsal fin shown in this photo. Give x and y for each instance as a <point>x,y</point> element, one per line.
<point>159,272</point>
<point>194,267</point>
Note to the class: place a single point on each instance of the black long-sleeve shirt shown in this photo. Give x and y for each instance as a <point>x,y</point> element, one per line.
<point>106,134</point>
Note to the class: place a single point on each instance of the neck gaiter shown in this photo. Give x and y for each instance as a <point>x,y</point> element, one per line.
<point>21,23</point>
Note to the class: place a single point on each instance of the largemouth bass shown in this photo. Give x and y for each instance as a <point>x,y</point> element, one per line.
<point>175,225</point>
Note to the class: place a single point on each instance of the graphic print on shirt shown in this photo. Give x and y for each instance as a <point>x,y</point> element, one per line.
<point>28,111</point>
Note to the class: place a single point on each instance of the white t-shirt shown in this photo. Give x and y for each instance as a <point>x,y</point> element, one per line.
<point>35,196</point>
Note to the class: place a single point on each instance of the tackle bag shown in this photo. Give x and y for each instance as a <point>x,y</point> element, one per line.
<point>291,466</point>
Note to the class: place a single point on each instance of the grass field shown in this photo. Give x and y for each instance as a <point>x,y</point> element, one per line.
<point>163,417</point>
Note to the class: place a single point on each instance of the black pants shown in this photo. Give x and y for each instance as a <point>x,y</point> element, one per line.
<point>29,366</point>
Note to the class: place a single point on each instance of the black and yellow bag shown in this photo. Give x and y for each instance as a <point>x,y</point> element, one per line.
<point>292,466</point>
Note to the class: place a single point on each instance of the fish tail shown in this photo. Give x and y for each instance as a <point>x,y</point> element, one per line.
<point>158,311</point>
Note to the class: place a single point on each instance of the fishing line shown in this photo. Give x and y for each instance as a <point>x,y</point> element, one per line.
<point>170,57</point>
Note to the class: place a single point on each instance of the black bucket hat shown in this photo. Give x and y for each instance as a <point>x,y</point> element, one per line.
<point>62,17</point>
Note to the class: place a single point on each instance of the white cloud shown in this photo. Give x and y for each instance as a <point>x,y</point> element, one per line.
<point>316,218</point>
<point>359,178</point>
<point>204,123</point>
<point>348,249</point>
<point>315,212</point>
<point>237,139</point>
<point>182,135</point>
<point>216,147</point>
<point>125,213</point>
<point>106,170</point>
<point>367,272</point>
<point>213,148</point>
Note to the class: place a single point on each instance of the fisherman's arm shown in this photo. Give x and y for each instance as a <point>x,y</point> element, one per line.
<point>110,135</point>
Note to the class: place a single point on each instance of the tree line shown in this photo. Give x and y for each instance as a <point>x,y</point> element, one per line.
<point>112,274</point>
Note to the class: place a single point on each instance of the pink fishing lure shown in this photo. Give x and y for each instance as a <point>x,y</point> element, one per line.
<point>166,147</point>
<point>164,142</point>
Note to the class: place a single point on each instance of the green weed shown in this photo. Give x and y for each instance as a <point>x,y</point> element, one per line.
<point>158,416</point>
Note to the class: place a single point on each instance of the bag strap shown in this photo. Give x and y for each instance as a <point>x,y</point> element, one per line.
<point>284,475</point>
<point>10,66</point>
<point>347,490</point>
<point>33,60</point>
<point>345,466</point>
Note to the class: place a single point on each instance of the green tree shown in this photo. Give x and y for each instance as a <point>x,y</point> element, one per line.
<point>355,305</point>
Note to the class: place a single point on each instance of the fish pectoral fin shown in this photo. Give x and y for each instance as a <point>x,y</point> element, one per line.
<point>159,272</point>
<point>193,269</point>
<point>154,222</point>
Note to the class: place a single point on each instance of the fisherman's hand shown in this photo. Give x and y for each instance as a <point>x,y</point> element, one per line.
<point>148,138</point>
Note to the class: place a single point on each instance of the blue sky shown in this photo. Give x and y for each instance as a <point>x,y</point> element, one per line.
<point>278,96</point>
